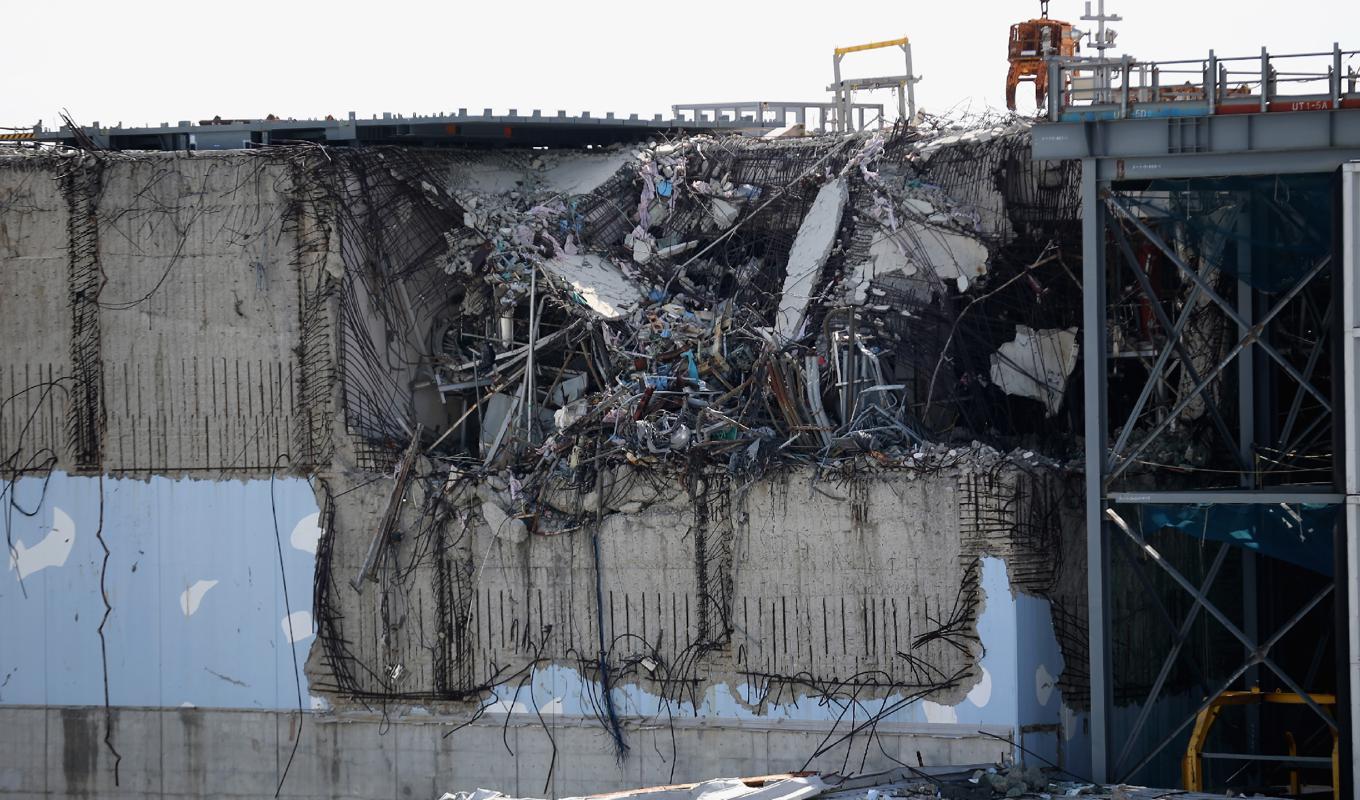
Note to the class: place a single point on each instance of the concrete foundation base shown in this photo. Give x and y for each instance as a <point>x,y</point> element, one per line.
<point>183,753</point>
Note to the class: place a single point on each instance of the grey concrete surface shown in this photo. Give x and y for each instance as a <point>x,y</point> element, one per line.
<point>197,314</point>
<point>33,288</point>
<point>194,753</point>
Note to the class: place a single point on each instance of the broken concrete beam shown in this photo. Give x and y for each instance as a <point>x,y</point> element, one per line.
<point>597,282</point>
<point>811,248</point>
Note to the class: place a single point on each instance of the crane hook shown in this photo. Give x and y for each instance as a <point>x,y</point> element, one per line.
<point>1043,9</point>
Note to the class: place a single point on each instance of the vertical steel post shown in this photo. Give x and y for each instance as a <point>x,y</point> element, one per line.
<point>911,85</point>
<point>1093,368</point>
<point>1055,90</point>
<point>1124,87</point>
<point>1246,363</point>
<point>1336,75</point>
<point>836,67</point>
<point>1350,266</point>
<point>530,376</point>
<point>1211,83</point>
<point>1265,80</point>
<point>1246,437</point>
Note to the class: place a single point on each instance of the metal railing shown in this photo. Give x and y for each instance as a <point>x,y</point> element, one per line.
<point>1126,87</point>
<point>768,113</point>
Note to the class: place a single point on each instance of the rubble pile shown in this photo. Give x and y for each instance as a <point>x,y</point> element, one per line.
<point>849,302</point>
<point>948,783</point>
<point>1014,781</point>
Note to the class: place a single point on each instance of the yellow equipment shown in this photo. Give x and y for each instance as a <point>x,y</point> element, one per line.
<point>1192,766</point>
<point>844,90</point>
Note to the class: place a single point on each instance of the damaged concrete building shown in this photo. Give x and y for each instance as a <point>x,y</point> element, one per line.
<point>378,470</point>
<point>648,460</point>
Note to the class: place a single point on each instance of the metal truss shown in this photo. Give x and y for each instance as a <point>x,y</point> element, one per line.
<point>1276,438</point>
<point>1174,331</point>
<point>1258,652</point>
<point>1121,456</point>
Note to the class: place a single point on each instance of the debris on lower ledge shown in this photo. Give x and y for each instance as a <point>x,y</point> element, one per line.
<point>948,783</point>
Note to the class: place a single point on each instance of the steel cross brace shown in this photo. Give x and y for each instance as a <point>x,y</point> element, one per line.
<point>1173,333</point>
<point>1182,633</point>
<point>1298,441</point>
<point>1251,336</point>
<point>1151,591</point>
<point>1113,200</point>
<point>1313,358</point>
<point>1259,653</point>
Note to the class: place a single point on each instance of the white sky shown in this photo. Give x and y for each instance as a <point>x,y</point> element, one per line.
<point>148,61</point>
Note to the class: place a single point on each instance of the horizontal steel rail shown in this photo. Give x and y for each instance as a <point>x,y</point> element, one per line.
<point>1094,88</point>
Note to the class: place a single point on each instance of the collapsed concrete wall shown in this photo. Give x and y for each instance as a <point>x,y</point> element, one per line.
<point>789,585</point>
<point>794,597</point>
<point>423,335</point>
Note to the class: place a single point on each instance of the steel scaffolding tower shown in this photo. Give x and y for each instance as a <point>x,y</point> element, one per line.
<point>1213,269</point>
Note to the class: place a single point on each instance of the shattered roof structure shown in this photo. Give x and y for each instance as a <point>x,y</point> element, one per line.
<point>813,300</point>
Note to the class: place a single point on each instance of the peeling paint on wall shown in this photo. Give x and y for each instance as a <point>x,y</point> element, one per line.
<point>192,596</point>
<point>50,551</point>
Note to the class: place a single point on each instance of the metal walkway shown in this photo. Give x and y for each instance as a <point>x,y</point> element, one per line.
<point>460,129</point>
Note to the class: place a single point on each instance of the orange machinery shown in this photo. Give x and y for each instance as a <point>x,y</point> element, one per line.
<point>1031,42</point>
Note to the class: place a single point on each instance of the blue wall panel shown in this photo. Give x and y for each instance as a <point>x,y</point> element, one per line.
<point>194,580</point>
